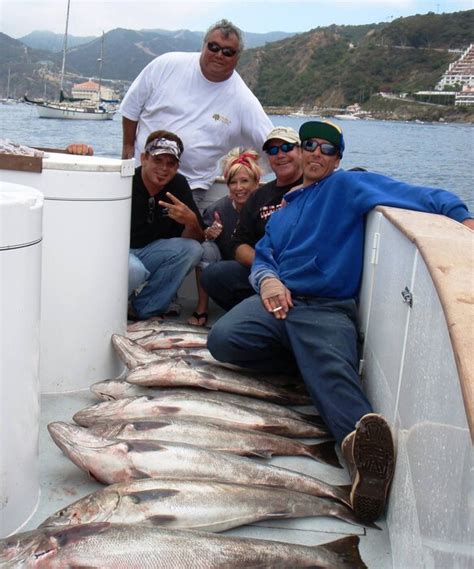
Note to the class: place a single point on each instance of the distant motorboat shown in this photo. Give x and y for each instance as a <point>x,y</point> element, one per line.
<point>347,117</point>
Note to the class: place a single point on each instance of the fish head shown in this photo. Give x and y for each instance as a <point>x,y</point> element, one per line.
<point>28,549</point>
<point>105,411</point>
<point>130,353</point>
<point>112,389</point>
<point>77,443</point>
<point>96,507</point>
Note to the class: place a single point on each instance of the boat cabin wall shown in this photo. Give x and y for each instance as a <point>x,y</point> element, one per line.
<point>411,374</point>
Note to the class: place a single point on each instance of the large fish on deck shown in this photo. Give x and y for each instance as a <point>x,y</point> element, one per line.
<point>183,404</point>
<point>165,324</point>
<point>243,442</point>
<point>110,461</point>
<point>134,355</point>
<point>111,389</point>
<point>166,339</point>
<point>133,546</point>
<point>189,372</point>
<point>194,505</point>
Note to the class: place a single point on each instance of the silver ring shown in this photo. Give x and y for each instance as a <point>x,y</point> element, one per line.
<point>277,309</point>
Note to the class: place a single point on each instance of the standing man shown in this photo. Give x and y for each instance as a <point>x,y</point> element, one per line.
<point>307,272</point>
<point>227,282</point>
<point>166,228</point>
<point>200,97</point>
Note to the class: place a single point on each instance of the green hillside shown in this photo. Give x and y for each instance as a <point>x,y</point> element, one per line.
<point>339,65</point>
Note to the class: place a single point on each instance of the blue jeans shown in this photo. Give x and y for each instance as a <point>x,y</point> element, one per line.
<point>320,334</point>
<point>227,283</point>
<point>164,264</point>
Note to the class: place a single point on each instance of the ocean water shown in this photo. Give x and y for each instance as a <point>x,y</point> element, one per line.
<point>438,155</point>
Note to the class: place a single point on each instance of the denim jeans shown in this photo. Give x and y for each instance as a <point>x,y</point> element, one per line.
<point>320,334</point>
<point>164,264</point>
<point>227,283</point>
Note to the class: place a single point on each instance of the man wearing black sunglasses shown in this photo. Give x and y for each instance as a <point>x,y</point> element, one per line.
<point>227,282</point>
<point>202,98</point>
<point>307,272</point>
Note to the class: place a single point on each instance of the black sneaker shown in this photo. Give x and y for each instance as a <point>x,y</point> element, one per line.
<point>374,459</point>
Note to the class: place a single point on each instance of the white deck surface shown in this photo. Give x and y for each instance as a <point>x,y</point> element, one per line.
<point>62,483</point>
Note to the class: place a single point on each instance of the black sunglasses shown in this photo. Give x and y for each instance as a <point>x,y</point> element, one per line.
<point>216,48</point>
<point>150,218</point>
<point>285,147</point>
<point>325,147</point>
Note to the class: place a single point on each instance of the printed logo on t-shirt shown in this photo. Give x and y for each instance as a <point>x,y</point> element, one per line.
<point>221,118</point>
<point>267,210</point>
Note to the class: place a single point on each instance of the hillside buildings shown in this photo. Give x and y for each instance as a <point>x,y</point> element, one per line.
<point>90,90</point>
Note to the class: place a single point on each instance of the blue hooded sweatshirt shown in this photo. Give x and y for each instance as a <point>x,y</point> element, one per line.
<point>315,244</point>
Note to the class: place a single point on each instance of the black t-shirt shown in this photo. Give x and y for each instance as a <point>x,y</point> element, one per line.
<point>150,223</point>
<point>256,211</point>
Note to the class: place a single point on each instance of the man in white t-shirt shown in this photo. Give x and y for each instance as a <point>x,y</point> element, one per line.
<point>200,97</point>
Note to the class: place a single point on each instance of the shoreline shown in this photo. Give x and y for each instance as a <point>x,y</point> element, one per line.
<point>403,112</point>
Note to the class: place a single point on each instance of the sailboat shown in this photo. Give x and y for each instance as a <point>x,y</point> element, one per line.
<point>76,110</point>
<point>8,100</point>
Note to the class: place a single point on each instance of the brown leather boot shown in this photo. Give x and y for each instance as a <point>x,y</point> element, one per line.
<point>370,457</point>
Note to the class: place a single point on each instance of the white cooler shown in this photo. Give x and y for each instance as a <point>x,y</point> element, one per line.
<point>85,266</point>
<point>21,210</point>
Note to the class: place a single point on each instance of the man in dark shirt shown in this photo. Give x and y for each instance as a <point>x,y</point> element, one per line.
<point>226,282</point>
<point>166,228</point>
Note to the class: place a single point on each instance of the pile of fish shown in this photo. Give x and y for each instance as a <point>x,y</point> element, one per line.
<point>175,441</point>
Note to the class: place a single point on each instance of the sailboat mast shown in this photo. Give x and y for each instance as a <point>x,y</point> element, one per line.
<point>101,60</point>
<point>64,49</point>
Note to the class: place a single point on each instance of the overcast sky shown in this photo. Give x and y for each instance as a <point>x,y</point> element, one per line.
<point>91,17</point>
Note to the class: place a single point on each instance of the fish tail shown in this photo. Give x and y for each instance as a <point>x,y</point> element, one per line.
<point>347,551</point>
<point>324,452</point>
<point>343,494</point>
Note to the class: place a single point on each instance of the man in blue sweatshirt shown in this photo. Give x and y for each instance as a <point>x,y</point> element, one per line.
<point>307,273</point>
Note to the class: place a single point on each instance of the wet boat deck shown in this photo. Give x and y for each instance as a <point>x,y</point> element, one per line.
<point>62,483</point>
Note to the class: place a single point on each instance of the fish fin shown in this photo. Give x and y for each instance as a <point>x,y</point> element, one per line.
<point>259,453</point>
<point>343,494</point>
<point>145,425</point>
<point>270,429</point>
<point>314,420</point>
<point>324,452</point>
<point>207,375</point>
<point>151,495</point>
<point>161,520</point>
<point>346,514</point>
<point>347,551</point>
<point>143,446</point>
<point>167,409</point>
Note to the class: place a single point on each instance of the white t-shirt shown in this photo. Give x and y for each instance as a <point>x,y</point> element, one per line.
<point>211,118</point>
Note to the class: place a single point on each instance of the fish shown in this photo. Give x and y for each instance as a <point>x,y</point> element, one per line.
<point>110,389</point>
<point>134,355</point>
<point>166,339</point>
<point>174,325</point>
<point>243,442</point>
<point>194,505</point>
<point>109,546</point>
<point>179,404</point>
<point>110,461</point>
<point>189,372</point>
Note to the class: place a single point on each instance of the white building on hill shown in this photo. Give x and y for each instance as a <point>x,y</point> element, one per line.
<point>460,72</point>
<point>90,90</point>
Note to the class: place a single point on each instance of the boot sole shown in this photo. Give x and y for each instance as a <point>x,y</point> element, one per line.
<point>374,458</point>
